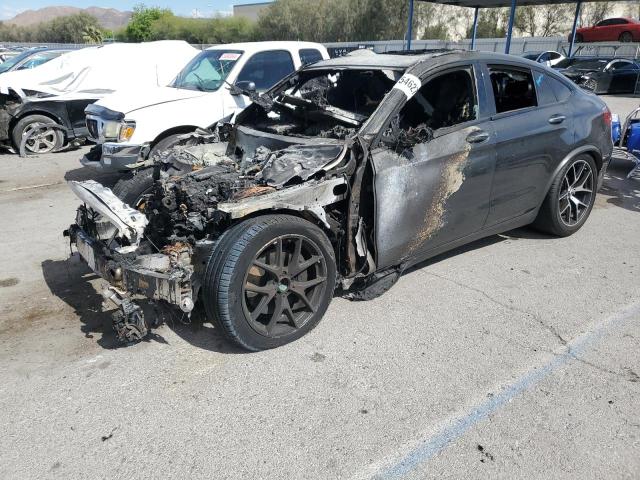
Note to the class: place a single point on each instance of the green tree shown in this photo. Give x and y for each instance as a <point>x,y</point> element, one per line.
<point>492,23</point>
<point>592,13</point>
<point>140,27</point>
<point>92,34</point>
<point>543,20</point>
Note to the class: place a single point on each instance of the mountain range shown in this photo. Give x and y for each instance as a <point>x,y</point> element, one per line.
<point>108,18</point>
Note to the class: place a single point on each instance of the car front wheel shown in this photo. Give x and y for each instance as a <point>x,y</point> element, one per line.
<point>41,134</point>
<point>570,198</point>
<point>269,281</point>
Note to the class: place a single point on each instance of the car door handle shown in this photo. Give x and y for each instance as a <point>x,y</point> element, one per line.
<point>478,136</point>
<point>556,119</point>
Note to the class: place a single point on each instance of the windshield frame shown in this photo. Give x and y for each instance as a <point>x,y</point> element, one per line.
<point>195,62</point>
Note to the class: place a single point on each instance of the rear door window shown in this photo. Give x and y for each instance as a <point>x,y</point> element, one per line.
<point>549,89</point>
<point>513,88</point>
<point>544,92</point>
<point>309,55</point>
<point>265,69</point>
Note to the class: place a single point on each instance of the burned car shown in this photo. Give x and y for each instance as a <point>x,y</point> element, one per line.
<point>339,178</point>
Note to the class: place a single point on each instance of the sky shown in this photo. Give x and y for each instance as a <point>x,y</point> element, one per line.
<point>205,8</point>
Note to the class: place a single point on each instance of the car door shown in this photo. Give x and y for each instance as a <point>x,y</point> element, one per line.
<point>264,69</point>
<point>533,133</point>
<point>623,76</point>
<point>433,168</point>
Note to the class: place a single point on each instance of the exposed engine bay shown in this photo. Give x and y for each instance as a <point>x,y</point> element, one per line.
<point>295,152</point>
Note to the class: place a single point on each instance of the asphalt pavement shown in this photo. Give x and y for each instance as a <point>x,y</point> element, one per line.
<point>514,357</point>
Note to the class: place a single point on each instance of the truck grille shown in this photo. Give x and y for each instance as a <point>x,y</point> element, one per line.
<point>92,126</point>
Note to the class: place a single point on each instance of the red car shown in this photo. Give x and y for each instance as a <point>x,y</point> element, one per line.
<point>610,30</point>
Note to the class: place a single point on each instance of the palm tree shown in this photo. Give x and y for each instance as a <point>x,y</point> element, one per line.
<point>92,34</point>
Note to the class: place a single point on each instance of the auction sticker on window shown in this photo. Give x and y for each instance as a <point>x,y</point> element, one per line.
<point>409,84</point>
<point>230,56</point>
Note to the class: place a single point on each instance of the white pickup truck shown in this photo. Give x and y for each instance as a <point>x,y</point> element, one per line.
<point>129,125</point>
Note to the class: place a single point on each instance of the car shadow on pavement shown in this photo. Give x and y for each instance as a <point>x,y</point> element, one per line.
<point>622,191</point>
<point>483,242</point>
<point>70,280</point>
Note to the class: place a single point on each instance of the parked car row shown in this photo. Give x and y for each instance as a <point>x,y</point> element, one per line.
<point>601,75</point>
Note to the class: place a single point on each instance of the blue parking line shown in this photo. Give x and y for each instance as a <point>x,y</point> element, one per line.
<point>431,446</point>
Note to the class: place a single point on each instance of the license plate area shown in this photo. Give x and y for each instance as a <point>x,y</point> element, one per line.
<point>86,251</point>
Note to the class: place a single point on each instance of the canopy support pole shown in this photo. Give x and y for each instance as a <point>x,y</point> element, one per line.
<point>475,29</point>
<point>512,18</point>
<point>410,25</point>
<point>572,40</point>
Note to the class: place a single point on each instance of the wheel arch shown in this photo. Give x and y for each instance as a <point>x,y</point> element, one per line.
<point>180,129</point>
<point>303,214</point>
<point>44,113</point>
<point>590,150</point>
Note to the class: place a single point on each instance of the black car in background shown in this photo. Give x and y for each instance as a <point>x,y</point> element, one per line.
<point>601,75</point>
<point>343,175</point>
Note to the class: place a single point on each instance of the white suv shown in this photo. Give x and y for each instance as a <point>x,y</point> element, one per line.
<point>130,124</point>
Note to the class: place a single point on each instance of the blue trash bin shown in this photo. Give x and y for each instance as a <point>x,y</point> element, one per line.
<point>615,128</point>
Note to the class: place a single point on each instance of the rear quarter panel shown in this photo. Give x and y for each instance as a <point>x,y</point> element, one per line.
<point>590,127</point>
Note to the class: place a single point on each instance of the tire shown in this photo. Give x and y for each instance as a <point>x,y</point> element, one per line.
<point>625,37</point>
<point>51,140</point>
<point>552,217</point>
<point>165,144</point>
<point>579,38</point>
<point>232,276</point>
<point>131,189</point>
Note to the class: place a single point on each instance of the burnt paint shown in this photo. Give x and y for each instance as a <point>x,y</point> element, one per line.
<point>443,187</point>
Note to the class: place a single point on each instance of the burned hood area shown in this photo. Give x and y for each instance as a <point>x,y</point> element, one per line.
<point>310,147</point>
<point>279,155</point>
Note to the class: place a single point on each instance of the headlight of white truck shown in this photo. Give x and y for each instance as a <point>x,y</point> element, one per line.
<point>126,130</point>
<point>110,129</point>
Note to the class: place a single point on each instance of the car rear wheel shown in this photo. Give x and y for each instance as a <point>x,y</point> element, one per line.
<point>578,39</point>
<point>269,281</point>
<point>42,137</point>
<point>626,37</point>
<point>570,198</point>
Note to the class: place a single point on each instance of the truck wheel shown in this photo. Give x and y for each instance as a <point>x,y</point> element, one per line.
<point>570,198</point>
<point>43,140</point>
<point>269,281</point>
<point>131,190</point>
<point>165,144</point>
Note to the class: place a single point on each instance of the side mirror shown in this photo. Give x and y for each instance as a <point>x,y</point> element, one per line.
<point>244,85</point>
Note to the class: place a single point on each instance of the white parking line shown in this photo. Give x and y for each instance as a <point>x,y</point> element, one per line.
<point>431,445</point>
<point>31,187</point>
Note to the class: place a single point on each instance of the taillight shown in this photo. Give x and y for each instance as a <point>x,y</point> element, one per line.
<point>607,116</point>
